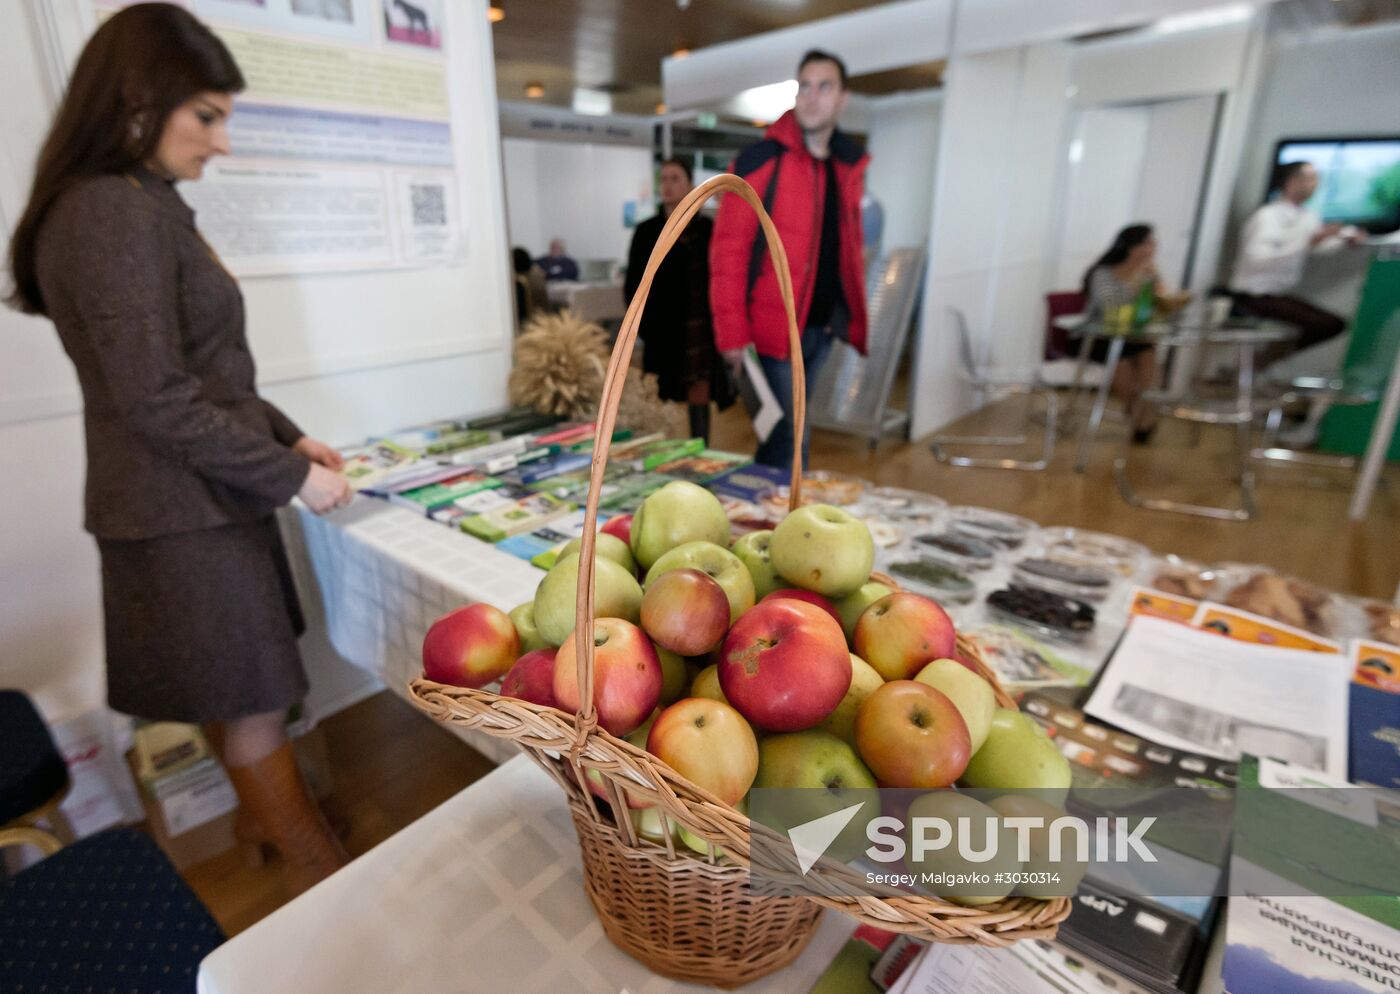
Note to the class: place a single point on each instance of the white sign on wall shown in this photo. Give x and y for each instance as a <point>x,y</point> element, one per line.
<point>342,143</point>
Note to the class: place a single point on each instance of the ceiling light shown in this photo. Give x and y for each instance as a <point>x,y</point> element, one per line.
<point>764,102</point>
<point>496,11</point>
<point>590,101</point>
<point>1210,17</point>
<point>534,90</point>
<point>661,108</point>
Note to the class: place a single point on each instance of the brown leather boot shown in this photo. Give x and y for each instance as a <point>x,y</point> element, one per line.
<point>273,791</point>
<point>253,841</point>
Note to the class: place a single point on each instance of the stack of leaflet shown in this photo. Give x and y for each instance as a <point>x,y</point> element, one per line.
<point>1315,878</point>
<point>1156,944</point>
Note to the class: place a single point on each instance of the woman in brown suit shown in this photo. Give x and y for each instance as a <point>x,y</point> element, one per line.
<point>186,463</point>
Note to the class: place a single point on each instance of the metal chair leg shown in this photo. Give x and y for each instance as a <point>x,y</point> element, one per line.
<point>936,446</point>
<point>1244,512</point>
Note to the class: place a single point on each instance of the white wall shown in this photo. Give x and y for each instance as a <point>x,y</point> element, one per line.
<point>1103,169</point>
<point>575,191</point>
<point>1339,82</point>
<point>1129,163</point>
<point>903,145</point>
<point>1001,130</point>
<point>50,622</point>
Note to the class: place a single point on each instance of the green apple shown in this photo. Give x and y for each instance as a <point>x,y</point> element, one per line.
<point>616,595</point>
<point>834,776</point>
<point>1068,868</point>
<point>649,824</point>
<point>823,549</point>
<point>707,684</point>
<point>678,513</point>
<point>1018,754</point>
<point>752,550</point>
<point>523,617</point>
<point>610,546</point>
<point>696,844</point>
<point>719,563</point>
<point>842,721</point>
<point>675,678</point>
<point>983,828</point>
<point>974,697</point>
<point>852,606</point>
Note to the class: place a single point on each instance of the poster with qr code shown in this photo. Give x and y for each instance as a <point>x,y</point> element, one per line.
<point>428,223</point>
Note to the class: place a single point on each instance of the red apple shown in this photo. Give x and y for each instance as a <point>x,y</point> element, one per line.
<point>532,678</point>
<point>901,633</point>
<point>708,743</point>
<point>911,735</point>
<point>626,675</point>
<point>471,646</point>
<point>686,611</point>
<point>619,527</point>
<point>811,597</point>
<point>785,665</point>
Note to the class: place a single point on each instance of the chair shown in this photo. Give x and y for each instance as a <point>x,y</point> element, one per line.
<point>1317,390</point>
<point>1059,306</point>
<point>33,775</point>
<point>1064,310</point>
<point>106,913</point>
<point>990,385</point>
<point>1237,413</point>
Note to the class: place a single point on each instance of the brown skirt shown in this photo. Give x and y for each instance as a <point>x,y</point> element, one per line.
<point>202,625</point>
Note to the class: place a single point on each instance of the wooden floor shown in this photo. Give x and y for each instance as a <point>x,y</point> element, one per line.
<point>392,765</point>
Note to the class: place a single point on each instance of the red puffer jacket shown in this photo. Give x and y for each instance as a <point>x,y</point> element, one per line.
<point>744,293</point>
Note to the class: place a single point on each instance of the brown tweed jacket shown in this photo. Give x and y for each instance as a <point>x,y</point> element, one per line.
<point>177,436</point>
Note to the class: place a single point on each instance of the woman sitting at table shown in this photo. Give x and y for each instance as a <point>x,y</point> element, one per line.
<point>1116,281</point>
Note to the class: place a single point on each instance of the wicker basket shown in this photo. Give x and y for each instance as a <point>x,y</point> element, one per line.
<point>684,915</point>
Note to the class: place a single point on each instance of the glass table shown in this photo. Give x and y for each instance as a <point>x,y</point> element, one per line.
<point>1188,328</point>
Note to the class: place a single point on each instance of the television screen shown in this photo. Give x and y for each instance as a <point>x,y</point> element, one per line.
<point>1358,178</point>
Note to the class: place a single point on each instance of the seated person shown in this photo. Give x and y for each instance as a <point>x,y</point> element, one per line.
<point>1114,281</point>
<point>1274,247</point>
<point>558,265</point>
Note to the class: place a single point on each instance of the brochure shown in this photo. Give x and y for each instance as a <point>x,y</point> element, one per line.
<point>1375,713</point>
<point>1190,689</point>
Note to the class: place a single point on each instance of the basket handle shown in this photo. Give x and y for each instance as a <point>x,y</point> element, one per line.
<point>615,379</point>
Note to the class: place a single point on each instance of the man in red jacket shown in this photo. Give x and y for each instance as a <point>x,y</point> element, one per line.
<point>811,177</point>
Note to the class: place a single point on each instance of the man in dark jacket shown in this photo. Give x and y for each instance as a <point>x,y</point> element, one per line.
<point>811,177</point>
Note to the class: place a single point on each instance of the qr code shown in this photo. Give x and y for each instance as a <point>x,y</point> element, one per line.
<point>429,205</point>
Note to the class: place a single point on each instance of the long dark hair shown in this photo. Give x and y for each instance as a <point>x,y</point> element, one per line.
<point>1128,239</point>
<point>147,60</point>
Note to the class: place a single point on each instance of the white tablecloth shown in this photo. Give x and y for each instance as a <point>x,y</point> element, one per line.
<point>386,574</point>
<point>485,893</point>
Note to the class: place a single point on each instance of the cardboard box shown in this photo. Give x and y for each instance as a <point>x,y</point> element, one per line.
<point>192,814</point>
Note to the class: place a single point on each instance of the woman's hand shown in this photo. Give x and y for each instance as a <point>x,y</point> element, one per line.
<point>324,489</point>
<point>319,452</point>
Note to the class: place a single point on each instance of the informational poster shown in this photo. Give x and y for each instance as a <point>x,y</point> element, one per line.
<point>342,141</point>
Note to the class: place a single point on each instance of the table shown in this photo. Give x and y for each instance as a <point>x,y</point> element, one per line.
<point>386,574</point>
<point>1245,335</point>
<point>484,893</point>
<point>588,301</point>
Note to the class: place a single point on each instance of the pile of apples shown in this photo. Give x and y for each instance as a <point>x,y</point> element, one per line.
<point>772,662</point>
